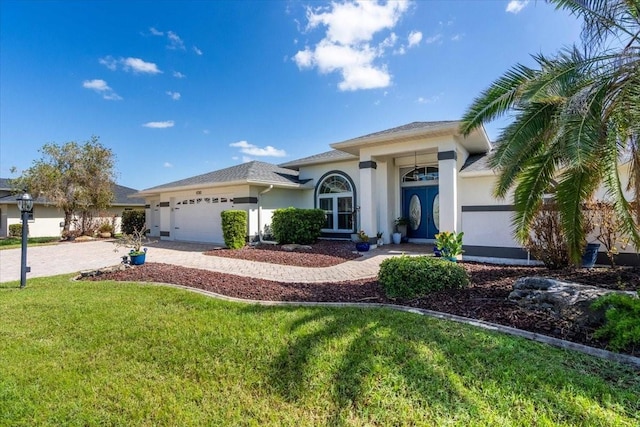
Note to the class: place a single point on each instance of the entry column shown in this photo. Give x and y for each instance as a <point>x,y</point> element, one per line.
<point>368,205</point>
<point>448,190</point>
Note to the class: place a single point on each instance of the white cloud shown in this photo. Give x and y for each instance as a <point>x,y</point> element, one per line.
<point>110,62</point>
<point>246,159</point>
<point>206,131</point>
<point>159,125</point>
<point>457,37</point>
<point>175,42</point>
<point>414,38</point>
<point>137,65</point>
<point>101,87</point>
<point>167,165</point>
<point>515,6</point>
<point>197,51</point>
<point>174,95</point>
<point>433,39</point>
<point>178,75</point>
<point>253,150</point>
<point>155,32</point>
<point>347,44</point>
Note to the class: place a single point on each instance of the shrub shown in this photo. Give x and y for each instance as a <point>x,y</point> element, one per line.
<point>547,241</point>
<point>292,225</point>
<point>607,226</point>
<point>449,243</point>
<point>15,230</point>
<point>234,228</point>
<point>414,277</point>
<point>133,220</point>
<point>622,324</point>
<point>105,227</point>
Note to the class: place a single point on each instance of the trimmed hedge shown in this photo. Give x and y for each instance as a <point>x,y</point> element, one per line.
<point>293,225</point>
<point>417,276</point>
<point>133,220</point>
<point>234,228</point>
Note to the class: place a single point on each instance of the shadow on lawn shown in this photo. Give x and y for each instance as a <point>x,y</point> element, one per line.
<point>442,368</point>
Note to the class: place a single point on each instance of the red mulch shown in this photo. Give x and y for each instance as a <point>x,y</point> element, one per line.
<point>485,299</point>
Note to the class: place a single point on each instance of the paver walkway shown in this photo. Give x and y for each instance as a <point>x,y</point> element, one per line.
<point>74,257</point>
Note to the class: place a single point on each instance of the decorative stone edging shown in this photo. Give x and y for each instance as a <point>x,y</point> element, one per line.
<point>556,342</point>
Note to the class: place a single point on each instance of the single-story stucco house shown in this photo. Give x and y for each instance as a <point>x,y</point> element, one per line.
<point>425,171</point>
<point>45,218</point>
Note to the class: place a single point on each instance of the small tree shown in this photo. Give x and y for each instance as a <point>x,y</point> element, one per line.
<point>607,227</point>
<point>75,177</point>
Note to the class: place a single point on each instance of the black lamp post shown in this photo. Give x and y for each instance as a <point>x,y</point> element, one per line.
<point>25,204</point>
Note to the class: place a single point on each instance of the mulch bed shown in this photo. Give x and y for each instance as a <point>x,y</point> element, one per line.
<point>486,298</point>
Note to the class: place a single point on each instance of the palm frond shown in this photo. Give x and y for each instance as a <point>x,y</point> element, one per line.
<point>497,99</point>
<point>533,183</point>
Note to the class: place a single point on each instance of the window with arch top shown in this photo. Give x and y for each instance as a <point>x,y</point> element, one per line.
<point>335,198</point>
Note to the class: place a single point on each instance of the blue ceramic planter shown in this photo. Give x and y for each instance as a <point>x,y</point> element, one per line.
<point>137,259</point>
<point>362,246</point>
<point>590,255</point>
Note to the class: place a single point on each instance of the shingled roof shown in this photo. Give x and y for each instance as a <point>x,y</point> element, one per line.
<point>120,195</point>
<point>409,127</point>
<point>327,156</point>
<point>476,163</point>
<point>250,172</point>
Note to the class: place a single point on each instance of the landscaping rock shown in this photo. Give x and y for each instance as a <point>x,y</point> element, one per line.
<point>570,301</point>
<point>105,270</point>
<point>294,246</point>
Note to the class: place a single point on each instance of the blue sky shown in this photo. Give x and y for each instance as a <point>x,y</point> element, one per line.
<point>177,89</point>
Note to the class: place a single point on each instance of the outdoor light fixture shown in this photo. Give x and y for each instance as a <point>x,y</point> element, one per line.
<point>25,204</point>
<point>416,173</point>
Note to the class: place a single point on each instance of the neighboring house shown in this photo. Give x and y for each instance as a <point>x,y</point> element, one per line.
<point>45,218</point>
<point>425,171</point>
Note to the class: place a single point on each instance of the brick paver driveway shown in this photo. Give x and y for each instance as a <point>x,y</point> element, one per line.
<point>65,258</point>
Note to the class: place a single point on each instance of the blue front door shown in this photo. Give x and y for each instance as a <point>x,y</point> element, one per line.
<point>421,206</point>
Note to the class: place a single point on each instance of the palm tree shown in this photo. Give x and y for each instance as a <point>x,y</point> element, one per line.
<point>576,122</point>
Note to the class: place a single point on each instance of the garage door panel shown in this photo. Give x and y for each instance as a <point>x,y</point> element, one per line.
<point>198,219</point>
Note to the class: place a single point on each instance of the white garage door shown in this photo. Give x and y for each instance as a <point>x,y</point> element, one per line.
<point>198,219</point>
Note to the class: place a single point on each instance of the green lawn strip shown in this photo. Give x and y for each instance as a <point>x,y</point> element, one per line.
<point>15,242</point>
<point>107,353</point>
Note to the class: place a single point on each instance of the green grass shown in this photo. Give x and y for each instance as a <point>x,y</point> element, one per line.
<point>16,242</point>
<point>106,353</point>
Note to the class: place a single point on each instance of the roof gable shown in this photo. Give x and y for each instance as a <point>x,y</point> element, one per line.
<point>254,171</point>
<point>326,157</point>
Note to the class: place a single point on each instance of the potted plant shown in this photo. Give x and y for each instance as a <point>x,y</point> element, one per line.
<point>363,245</point>
<point>401,229</point>
<point>449,243</point>
<point>401,225</point>
<point>134,242</point>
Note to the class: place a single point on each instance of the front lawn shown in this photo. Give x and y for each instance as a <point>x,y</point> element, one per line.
<point>110,353</point>
<point>16,242</point>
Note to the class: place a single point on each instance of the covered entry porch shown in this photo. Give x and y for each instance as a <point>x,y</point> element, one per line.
<point>412,172</point>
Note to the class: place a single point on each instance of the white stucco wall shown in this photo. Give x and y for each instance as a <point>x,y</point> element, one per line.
<point>46,219</point>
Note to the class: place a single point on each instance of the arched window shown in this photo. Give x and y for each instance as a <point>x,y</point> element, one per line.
<point>335,198</point>
<point>424,173</point>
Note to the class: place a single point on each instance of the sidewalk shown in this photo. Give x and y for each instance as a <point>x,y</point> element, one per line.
<point>65,258</point>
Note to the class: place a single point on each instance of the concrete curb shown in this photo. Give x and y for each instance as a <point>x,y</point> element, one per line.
<point>556,342</point>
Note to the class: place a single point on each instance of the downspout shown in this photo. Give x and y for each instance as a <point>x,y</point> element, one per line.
<point>260,216</point>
